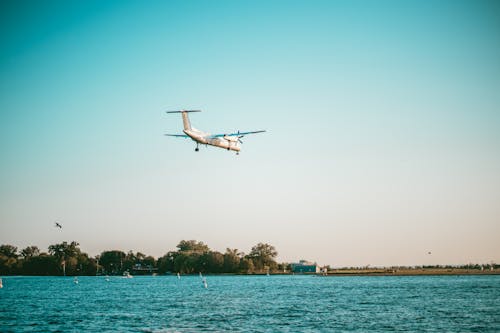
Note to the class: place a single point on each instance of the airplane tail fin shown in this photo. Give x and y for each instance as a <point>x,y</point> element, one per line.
<point>185,118</point>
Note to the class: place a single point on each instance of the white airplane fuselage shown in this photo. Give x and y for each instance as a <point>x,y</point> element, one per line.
<point>226,142</point>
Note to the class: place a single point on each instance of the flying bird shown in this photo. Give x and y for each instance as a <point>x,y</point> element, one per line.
<point>57,225</point>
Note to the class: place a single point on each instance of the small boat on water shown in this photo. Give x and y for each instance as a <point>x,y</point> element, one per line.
<point>126,275</point>
<point>75,280</point>
<point>1,283</point>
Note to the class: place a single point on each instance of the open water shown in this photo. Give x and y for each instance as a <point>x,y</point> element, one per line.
<point>251,304</point>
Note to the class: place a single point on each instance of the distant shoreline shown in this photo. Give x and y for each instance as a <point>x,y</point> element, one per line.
<point>410,272</point>
<point>340,272</point>
<point>194,257</point>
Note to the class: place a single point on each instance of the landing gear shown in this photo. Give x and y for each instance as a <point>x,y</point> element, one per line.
<point>197,149</point>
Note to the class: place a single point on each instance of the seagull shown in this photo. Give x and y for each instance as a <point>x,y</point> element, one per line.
<point>57,225</point>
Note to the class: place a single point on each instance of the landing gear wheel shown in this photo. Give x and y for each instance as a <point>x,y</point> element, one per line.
<point>197,149</point>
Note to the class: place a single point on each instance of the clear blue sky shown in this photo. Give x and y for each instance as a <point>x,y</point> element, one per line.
<point>383,122</point>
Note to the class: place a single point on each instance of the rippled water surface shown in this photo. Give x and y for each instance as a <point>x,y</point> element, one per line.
<point>251,304</point>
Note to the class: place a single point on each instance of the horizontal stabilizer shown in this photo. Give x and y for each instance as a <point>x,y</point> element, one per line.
<point>180,111</point>
<point>178,135</point>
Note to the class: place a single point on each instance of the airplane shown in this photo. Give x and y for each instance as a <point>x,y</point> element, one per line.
<point>229,141</point>
<point>57,225</point>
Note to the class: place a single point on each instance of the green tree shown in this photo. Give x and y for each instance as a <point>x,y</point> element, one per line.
<point>166,263</point>
<point>192,246</point>
<point>263,256</point>
<point>42,264</point>
<point>30,251</point>
<point>232,258</point>
<point>64,250</point>
<point>86,265</point>
<point>149,261</point>
<point>212,262</point>
<point>246,265</point>
<point>190,257</point>
<point>112,261</point>
<point>129,261</point>
<point>67,256</point>
<point>188,262</point>
<point>139,262</point>
<point>8,251</point>
<point>8,259</point>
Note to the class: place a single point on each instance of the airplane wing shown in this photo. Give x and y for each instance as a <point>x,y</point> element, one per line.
<point>178,135</point>
<point>240,134</point>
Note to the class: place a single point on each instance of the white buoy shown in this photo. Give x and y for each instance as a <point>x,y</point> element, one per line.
<point>1,283</point>
<point>107,278</point>
<point>75,280</point>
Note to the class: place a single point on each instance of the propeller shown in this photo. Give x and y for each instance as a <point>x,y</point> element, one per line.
<point>233,137</point>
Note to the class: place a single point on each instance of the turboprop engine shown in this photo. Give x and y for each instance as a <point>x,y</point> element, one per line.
<point>232,142</point>
<point>231,138</point>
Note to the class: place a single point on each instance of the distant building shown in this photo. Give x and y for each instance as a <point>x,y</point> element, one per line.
<point>140,269</point>
<point>305,266</point>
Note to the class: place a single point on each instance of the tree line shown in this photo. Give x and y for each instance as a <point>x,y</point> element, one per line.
<point>190,257</point>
